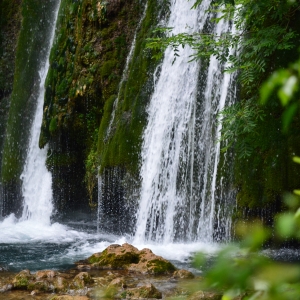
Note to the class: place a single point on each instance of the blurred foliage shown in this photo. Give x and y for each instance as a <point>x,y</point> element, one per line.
<point>246,272</point>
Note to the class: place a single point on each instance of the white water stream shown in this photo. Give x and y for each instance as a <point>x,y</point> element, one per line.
<point>180,155</point>
<point>34,224</point>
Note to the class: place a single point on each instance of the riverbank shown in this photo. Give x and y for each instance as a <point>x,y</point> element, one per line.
<point>118,272</point>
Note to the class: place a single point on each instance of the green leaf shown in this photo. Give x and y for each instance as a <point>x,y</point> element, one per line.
<point>286,92</point>
<point>277,79</point>
<point>285,225</point>
<point>296,159</point>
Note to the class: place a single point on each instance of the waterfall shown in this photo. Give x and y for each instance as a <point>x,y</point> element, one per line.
<point>36,179</point>
<point>181,196</point>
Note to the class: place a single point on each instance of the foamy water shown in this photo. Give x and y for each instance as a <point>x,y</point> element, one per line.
<point>26,244</point>
<point>14,231</point>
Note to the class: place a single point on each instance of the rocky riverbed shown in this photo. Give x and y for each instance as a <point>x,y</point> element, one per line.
<point>118,272</point>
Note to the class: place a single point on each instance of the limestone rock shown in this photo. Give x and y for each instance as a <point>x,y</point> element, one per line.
<point>60,284</point>
<point>45,274</point>
<point>201,295</point>
<point>6,288</point>
<point>130,258</point>
<point>183,274</point>
<point>118,282</point>
<point>41,285</point>
<point>81,280</point>
<point>115,257</point>
<point>146,292</point>
<point>22,280</point>
<point>83,267</point>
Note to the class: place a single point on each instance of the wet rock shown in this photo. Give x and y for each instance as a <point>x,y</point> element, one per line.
<point>22,280</point>
<point>79,292</point>
<point>150,263</point>
<point>201,295</point>
<point>183,274</point>
<point>6,288</point>
<point>34,292</point>
<point>113,6</point>
<point>115,257</point>
<point>118,282</point>
<point>41,285</point>
<point>45,274</point>
<point>146,292</point>
<point>130,258</point>
<point>60,284</point>
<point>81,280</point>
<point>83,267</point>
<point>101,281</point>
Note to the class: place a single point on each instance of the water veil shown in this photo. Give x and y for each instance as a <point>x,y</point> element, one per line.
<point>182,199</point>
<point>34,224</point>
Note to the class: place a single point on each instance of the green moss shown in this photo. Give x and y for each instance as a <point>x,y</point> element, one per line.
<point>10,21</point>
<point>22,280</point>
<point>113,260</point>
<point>21,283</point>
<point>32,37</point>
<point>122,146</point>
<point>53,125</point>
<point>108,67</point>
<point>160,267</point>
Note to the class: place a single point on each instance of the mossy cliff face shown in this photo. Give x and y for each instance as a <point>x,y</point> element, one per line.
<point>121,128</point>
<point>119,139</point>
<point>10,23</point>
<point>87,60</point>
<point>31,50</point>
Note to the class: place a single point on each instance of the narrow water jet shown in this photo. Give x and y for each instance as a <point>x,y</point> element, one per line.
<point>180,153</point>
<point>36,179</point>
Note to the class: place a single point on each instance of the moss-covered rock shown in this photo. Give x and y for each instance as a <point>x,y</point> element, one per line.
<point>115,257</point>
<point>183,274</point>
<point>148,291</point>
<point>130,258</point>
<point>23,280</point>
<point>204,295</point>
<point>81,280</point>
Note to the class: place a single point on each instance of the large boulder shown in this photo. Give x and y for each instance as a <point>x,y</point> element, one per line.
<point>128,257</point>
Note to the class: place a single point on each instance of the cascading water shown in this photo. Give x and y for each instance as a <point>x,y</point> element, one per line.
<point>36,179</point>
<point>180,156</point>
